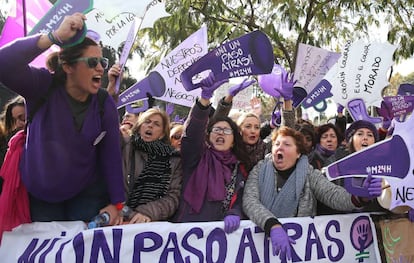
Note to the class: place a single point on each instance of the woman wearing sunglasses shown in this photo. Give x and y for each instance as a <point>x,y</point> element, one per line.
<point>71,163</point>
<point>214,165</point>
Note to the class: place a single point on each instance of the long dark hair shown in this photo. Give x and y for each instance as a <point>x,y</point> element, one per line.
<point>7,116</point>
<point>239,147</point>
<point>67,55</point>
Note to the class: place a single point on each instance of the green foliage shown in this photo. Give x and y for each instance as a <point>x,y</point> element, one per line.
<point>287,23</point>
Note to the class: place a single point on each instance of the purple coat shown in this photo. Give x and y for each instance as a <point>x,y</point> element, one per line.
<point>193,147</point>
<point>58,161</point>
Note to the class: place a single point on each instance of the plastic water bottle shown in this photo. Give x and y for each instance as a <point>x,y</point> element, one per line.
<point>99,221</point>
<point>127,212</point>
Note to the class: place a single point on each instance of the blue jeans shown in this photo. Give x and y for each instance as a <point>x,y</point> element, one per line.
<point>83,206</point>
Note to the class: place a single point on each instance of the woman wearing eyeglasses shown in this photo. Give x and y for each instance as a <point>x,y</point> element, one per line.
<point>71,162</point>
<point>215,165</point>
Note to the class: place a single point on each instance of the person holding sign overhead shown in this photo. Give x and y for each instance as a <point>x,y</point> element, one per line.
<point>214,165</point>
<point>284,185</point>
<point>71,161</point>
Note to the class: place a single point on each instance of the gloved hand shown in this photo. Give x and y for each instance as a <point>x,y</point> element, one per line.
<point>169,108</point>
<point>209,85</point>
<point>340,108</point>
<point>411,214</point>
<point>385,114</point>
<point>231,223</point>
<point>287,86</point>
<point>241,86</point>
<point>373,185</point>
<point>281,243</point>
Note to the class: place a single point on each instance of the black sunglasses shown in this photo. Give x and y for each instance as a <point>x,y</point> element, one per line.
<point>92,62</point>
<point>176,136</point>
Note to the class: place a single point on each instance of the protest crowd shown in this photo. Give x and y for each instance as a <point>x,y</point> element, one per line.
<point>72,158</point>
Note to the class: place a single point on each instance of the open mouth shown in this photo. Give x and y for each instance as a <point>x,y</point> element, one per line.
<point>279,156</point>
<point>97,79</point>
<point>220,140</point>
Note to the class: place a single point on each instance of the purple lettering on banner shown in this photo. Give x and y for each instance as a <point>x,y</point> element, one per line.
<point>44,254</point>
<point>178,258</point>
<point>217,235</point>
<point>265,244</point>
<point>100,243</point>
<point>139,244</point>
<point>78,244</point>
<point>296,236</point>
<point>58,258</point>
<point>312,232</point>
<point>250,54</point>
<point>27,254</point>
<point>247,234</point>
<point>340,247</point>
<point>198,232</point>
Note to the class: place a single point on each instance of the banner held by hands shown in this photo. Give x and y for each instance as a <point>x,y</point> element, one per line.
<point>250,54</point>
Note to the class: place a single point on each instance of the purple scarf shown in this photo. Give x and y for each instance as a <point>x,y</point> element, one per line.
<point>210,178</point>
<point>323,151</point>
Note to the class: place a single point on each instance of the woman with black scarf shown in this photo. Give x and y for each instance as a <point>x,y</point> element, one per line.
<point>152,169</point>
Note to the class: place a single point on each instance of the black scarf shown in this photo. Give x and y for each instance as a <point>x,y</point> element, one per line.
<point>154,180</point>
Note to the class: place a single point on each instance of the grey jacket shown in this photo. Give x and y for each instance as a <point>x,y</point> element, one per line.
<point>165,207</point>
<point>317,187</point>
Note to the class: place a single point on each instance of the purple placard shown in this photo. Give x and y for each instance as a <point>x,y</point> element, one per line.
<point>380,158</point>
<point>250,54</point>
<point>153,84</point>
<point>60,9</point>
<point>398,105</point>
<point>321,92</point>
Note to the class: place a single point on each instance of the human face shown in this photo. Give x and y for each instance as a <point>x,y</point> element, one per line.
<point>83,80</point>
<point>308,143</point>
<point>19,117</point>
<point>284,152</point>
<point>362,138</point>
<point>250,130</point>
<point>219,140</point>
<point>176,140</point>
<point>329,140</point>
<point>152,129</point>
<point>129,119</point>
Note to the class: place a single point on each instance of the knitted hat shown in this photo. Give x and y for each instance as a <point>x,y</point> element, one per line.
<point>359,125</point>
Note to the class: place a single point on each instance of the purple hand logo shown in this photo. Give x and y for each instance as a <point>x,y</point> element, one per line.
<point>361,237</point>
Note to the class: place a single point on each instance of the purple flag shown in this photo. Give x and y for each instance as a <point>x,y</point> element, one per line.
<point>250,54</point>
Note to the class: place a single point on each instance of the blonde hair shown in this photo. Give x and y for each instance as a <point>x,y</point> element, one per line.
<point>244,116</point>
<point>144,116</point>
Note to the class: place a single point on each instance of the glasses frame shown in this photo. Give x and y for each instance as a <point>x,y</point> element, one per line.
<point>92,62</point>
<point>219,130</point>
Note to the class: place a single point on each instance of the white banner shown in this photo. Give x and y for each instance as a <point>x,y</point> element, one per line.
<point>171,66</point>
<point>312,63</point>
<point>339,238</point>
<point>361,72</point>
<point>240,102</point>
